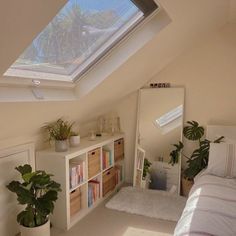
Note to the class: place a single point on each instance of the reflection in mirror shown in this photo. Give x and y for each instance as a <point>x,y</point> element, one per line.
<point>159,126</point>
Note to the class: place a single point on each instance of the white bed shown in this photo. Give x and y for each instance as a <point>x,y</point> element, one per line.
<point>211,206</point>
<point>210,209</point>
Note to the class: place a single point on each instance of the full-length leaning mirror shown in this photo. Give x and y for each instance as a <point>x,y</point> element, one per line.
<point>159,126</point>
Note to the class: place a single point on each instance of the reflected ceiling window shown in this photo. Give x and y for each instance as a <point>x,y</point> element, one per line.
<point>170,116</point>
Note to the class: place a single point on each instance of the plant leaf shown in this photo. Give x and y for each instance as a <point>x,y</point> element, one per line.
<point>24,169</point>
<point>193,131</point>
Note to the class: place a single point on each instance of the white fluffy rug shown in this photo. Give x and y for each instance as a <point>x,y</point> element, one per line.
<point>152,203</point>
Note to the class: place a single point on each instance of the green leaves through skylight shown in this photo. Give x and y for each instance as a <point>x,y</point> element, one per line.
<point>77,37</point>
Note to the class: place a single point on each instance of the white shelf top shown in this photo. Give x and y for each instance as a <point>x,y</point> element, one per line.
<point>85,145</point>
<point>78,186</point>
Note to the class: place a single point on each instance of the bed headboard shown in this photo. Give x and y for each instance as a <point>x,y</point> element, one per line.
<point>215,131</point>
<point>9,159</point>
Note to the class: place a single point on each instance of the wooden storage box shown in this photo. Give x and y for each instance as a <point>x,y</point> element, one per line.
<point>119,149</point>
<point>108,181</point>
<point>94,162</point>
<point>75,201</point>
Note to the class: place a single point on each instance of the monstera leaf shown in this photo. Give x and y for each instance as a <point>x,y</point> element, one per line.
<point>193,131</point>
<point>199,158</point>
<point>174,155</point>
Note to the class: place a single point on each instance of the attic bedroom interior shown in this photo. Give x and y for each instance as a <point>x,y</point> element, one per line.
<point>118,118</point>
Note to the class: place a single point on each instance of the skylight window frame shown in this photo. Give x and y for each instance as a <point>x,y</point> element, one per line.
<point>120,35</point>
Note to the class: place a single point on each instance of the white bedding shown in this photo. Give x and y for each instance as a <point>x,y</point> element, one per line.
<point>210,209</point>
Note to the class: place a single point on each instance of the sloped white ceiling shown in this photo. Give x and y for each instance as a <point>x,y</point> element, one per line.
<point>191,21</point>
<point>232,11</point>
<point>20,22</point>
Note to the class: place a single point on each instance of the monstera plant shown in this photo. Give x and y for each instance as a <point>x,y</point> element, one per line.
<point>199,158</point>
<point>174,155</point>
<point>38,193</point>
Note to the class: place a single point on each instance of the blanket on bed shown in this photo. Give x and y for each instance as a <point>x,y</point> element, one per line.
<point>210,209</point>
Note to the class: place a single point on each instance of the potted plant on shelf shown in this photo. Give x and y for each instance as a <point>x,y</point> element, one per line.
<point>59,131</point>
<point>199,157</point>
<point>74,139</point>
<point>146,173</point>
<point>38,192</point>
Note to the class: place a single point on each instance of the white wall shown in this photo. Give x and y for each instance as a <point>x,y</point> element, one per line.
<point>21,122</point>
<point>208,74</point>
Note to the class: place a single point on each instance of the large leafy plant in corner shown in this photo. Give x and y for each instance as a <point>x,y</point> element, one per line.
<point>199,158</point>
<point>38,192</point>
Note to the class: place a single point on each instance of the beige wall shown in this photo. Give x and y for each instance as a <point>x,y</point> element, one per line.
<point>208,74</point>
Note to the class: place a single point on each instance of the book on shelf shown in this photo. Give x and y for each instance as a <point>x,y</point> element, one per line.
<point>119,174</point>
<point>93,192</point>
<point>77,172</point>
<point>106,159</point>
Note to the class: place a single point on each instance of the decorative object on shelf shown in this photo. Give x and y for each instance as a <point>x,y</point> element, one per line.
<point>92,136</point>
<point>59,131</point>
<point>160,85</point>
<point>101,124</point>
<point>199,158</point>
<point>74,139</point>
<point>111,125</point>
<point>38,192</point>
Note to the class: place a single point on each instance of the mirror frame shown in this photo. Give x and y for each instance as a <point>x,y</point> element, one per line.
<point>137,134</point>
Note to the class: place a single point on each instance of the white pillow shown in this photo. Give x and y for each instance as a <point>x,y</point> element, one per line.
<point>222,160</point>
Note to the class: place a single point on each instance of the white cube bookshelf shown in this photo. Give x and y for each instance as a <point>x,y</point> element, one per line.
<point>58,164</point>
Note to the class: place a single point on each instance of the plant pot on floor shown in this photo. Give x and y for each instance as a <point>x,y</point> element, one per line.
<point>42,230</point>
<point>186,186</point>
<point>61,145</point>
<point>146,181</point>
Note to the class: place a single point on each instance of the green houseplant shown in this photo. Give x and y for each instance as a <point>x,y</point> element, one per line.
<point>174,154</point>
<point>59,131</point>
<point>199,157</point>
<point>146,173</point>
<point>146,167</point>
<point>38,192</point>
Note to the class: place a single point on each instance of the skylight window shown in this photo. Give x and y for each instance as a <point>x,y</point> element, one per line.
<point>79,36</point>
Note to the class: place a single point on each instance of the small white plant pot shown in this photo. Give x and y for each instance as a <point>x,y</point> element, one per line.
<point>146,182</point>
<point>74,141</point>
<point>61,145</point>
<point>42,230</point>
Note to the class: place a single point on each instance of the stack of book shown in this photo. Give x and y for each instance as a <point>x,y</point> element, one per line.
<point>77,173</point>
<point>119,174</point>
<point>93,192</point>
<point>106,159</point>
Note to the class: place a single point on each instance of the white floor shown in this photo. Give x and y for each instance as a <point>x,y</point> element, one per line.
<point>105,222</point>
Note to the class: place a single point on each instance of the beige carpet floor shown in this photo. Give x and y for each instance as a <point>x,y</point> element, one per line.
<point>105,222</point>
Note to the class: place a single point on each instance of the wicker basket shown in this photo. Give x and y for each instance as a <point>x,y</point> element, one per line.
<point>186,186</point>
